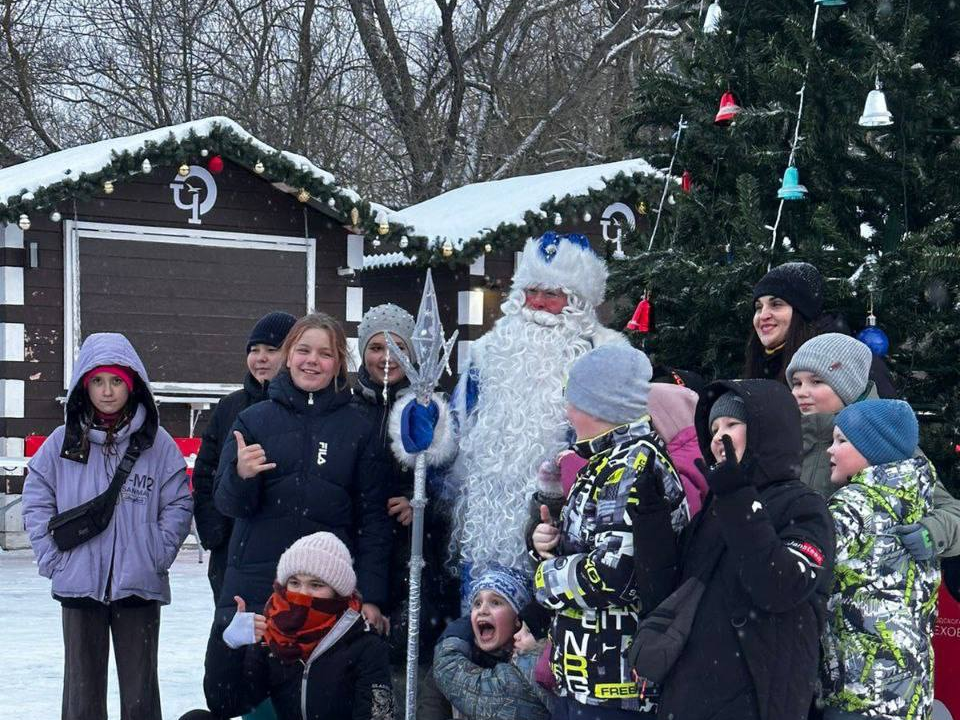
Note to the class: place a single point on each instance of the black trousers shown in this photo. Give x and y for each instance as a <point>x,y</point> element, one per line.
<point>86,644</point>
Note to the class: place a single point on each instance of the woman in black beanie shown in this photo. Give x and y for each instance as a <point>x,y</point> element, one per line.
<point>787,301</point>
<point>788,311</point>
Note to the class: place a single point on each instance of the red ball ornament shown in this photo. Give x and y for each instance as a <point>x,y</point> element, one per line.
<point>642,320</point>
<point>215,165</point>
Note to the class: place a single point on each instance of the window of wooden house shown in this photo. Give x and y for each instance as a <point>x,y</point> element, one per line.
<point>186,299</point>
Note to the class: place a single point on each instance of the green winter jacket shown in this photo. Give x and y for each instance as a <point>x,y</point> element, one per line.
<point>878,660</point>
<point>817,437</point>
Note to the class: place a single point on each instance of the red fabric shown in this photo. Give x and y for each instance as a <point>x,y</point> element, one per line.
<point>946,650</point>
<point>296,623</point>
<point>125,374</point>
<point>32,443</point>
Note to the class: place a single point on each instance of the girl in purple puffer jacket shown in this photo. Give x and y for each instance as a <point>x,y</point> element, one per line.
<point>115,582</point>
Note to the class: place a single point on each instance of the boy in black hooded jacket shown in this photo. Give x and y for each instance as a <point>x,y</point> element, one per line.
<point>754,645</point>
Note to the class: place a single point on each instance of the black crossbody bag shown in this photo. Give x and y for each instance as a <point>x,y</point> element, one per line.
<point>77,525</point>
<point>662,634</point>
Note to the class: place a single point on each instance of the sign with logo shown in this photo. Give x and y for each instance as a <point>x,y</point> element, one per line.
<point>612,222</point>
<point>197,192</point>
<point>946,649</point>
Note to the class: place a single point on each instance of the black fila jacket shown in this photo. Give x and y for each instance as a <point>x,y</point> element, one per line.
<point>329,477</point>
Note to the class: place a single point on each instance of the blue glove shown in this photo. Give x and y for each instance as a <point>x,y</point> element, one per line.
<point>916,540</point>
<point>460,628</point>
<point>416,426</point>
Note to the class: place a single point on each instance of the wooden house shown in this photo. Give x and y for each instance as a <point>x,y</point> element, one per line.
<point>182,237</point>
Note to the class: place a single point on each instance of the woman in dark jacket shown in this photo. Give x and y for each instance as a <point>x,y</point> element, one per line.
<point>765,544</point>
<point>788,305</point>
<point>263,363</point>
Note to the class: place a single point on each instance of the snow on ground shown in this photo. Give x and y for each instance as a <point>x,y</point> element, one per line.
<point>31,648</point>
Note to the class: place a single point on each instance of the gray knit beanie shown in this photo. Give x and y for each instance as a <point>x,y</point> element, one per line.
<point>322,555</point>
<point>611,383</point>
<point>841,361</point>
<point>386,318</point>
<point>728,405</point>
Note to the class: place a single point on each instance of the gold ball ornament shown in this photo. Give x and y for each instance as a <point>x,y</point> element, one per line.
<point>446,249</point>
<point>383,227</point>
<point>24,222</point>
<point>303,195</point>
<point>183,170</point>
<point>354,217</point>
<point>258,168</point>
<point>642,208</point>
<point>108,187</point>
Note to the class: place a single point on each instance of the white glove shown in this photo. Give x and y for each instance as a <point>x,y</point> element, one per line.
<point>240,630</point>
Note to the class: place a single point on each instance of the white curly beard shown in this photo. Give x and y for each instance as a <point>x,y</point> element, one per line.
<point>518,422</point>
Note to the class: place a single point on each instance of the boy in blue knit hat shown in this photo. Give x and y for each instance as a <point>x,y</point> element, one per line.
<point>484,662</point>
<point>878,661</point>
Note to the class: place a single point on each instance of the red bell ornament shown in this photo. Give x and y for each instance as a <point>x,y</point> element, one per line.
<point>642,320</point>
<point>686,182</point>
<point>215,165</point>
<point>728,109</point>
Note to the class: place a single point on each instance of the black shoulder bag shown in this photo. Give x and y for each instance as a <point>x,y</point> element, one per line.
<point>77,525</point>
<point>663,633</point>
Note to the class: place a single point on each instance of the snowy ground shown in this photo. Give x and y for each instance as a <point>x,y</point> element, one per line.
<point>31,643</point>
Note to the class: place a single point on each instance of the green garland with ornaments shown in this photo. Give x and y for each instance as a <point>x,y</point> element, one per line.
<point>637,190</point>
<point>209,149</point>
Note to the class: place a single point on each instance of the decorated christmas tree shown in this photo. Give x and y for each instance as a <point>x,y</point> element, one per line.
<point>826,132</point>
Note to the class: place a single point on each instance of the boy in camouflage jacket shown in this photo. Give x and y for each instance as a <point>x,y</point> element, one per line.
<point>878,661</point>
<point>589,574</point>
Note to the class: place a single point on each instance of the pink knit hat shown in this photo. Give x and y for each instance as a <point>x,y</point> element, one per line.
<point>671,409</point>
<point>323,556</point>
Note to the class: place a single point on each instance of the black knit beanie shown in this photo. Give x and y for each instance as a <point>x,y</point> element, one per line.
<point>798,283</point>
<point>271,329</point>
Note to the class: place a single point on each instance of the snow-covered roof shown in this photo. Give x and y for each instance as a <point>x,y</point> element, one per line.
<point>70,164</point>
<point>472,211</point>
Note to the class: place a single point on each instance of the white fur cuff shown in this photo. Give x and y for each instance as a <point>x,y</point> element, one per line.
<point>444,446</point>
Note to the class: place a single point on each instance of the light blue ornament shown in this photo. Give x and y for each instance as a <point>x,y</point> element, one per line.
<point>874,338</point>
<point>831,3</point>
<point>790,188</point>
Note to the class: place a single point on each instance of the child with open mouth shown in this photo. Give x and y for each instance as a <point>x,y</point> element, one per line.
<point>484,662</point>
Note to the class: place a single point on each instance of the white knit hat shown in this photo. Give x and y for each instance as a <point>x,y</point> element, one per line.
<point>323,556</point>
<point>562,261</point>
